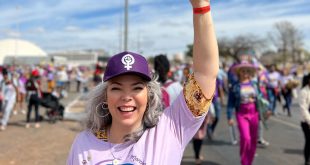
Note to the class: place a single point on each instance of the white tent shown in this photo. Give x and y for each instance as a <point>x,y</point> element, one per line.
<point>20,51</point>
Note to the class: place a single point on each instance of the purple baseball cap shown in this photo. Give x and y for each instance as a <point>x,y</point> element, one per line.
<point>126,63</point>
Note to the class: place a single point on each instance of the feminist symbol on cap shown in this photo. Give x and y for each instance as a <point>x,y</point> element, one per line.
<point>128,60</point>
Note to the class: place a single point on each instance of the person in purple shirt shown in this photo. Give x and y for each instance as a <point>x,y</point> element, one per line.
<point>217,103</point>
<point>126,122</point>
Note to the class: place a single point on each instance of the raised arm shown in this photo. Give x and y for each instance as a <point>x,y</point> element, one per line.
<point>205,50</point>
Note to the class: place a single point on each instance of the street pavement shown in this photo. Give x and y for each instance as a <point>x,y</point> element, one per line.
<point>284,134</point>
<point>50,144</point>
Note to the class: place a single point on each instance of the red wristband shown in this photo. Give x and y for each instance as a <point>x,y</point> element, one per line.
<point>201,10</point>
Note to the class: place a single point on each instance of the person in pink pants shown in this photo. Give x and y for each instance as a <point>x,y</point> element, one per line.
<point>244,94</point>
<point>247,118</point>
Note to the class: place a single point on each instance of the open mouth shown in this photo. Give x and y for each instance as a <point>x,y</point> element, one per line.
<point>127,109</point>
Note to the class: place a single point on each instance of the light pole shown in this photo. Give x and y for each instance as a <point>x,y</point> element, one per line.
<point>16,36</point>
<point>120,33</point>
<point>126,26</point>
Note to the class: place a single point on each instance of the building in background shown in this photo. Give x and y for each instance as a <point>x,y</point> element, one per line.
<point>79,57</point>
<point>17,51</point>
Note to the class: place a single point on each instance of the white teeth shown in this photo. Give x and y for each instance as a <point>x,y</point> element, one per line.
<point>127,109</point>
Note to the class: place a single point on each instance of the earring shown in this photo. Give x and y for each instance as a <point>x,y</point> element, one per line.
<point>104,107</point>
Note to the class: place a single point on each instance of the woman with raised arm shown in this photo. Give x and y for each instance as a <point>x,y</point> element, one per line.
<point>126,123</point>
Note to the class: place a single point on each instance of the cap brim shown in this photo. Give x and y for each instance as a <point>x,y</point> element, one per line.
<point>145,77</point>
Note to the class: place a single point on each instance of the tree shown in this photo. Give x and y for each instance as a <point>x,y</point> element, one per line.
<point>288,40</point>
<point>189,51</point>
<point>232,47</point>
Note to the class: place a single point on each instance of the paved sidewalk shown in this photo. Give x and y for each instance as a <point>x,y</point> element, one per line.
<point>47,145</point>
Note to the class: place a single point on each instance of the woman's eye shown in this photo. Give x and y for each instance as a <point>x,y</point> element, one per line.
<point>115,88</point>
<point>138,88</point>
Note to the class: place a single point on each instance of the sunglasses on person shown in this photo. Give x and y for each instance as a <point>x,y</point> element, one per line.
<point>245,71</point>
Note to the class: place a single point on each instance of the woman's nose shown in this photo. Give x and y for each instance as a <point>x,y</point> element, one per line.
<point>126,97</point>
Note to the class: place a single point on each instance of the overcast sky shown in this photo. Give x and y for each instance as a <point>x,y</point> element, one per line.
<point>155,26</point>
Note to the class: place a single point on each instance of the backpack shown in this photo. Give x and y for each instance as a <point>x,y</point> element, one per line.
<point>165,94</point>
<point>33,85</point>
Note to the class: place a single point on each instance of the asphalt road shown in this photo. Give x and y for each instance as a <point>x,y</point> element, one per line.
<point>284,134</point>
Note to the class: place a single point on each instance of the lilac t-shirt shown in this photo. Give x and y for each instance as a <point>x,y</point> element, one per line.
<point>160,145</point>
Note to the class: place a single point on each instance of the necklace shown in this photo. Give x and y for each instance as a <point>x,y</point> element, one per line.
<point>116,160</point>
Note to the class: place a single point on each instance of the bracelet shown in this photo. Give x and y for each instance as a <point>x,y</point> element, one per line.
<point>201,10</point>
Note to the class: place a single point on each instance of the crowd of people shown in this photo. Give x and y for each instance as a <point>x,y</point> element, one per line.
<point>237,90</point>
<point>248,92</point>
<point>25,88</point>
<point>133,109</point>
<point>238,87</point>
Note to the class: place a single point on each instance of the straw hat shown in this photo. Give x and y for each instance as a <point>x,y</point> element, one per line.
<point>244,65</point>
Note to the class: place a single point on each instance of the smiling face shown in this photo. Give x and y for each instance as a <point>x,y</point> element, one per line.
<point>245,74</point>
<point>127,100</point>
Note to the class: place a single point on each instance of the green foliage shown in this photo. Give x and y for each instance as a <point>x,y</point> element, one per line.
<point>189,51</point>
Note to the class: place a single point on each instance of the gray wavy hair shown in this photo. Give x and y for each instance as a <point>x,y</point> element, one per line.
<point>150,119</point>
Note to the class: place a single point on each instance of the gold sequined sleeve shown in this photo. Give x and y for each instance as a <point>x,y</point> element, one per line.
<point>101,135</point>
<point>197,103</point>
